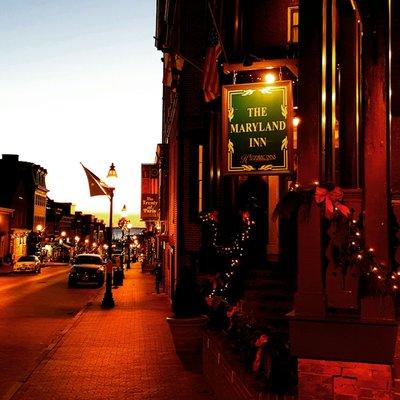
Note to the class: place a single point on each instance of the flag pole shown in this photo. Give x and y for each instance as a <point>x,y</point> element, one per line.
<point>217,31</point>
<point>98,188</point>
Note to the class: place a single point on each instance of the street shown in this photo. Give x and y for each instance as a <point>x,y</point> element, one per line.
<point>34,312</point>
<point>115,354</point>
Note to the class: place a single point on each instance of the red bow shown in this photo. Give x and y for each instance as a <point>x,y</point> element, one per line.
<point>332,201</point>
<point>260,342</point>
<point>232,312</point>
<point>245,215</point>
<point>213,215</point>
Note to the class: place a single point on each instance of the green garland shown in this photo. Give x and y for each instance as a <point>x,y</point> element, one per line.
<point>348,246</point>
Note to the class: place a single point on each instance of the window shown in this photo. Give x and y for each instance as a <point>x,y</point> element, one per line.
<point>40,201</point>
<point>293,25</point>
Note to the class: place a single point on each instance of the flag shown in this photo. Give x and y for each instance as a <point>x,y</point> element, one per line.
<point>210,84</point>
<point>167,78</point>
<point>96,186</point>
<point>173,65</point>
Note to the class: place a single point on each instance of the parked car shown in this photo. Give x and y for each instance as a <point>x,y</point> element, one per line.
<point>86,269</point>
<point>28,264</point>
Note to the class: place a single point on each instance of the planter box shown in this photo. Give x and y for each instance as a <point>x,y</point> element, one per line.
<point>346,339</point>
<point>187,335</point>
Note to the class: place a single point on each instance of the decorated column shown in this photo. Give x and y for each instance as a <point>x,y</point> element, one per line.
<point>376,141</point>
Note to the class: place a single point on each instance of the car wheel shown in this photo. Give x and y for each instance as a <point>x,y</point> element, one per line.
<point>71,284</point>
<point>39,270</point>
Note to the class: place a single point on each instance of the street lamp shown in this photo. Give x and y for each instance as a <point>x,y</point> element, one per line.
<point>108,301</point>
<point>39,232</point>
<point>125,226</point>
<point>77,239</point>
<point>129,226</point>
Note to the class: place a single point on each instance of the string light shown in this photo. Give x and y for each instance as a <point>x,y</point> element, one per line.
<point>234,252</point>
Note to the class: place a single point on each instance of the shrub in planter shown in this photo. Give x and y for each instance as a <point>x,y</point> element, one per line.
<point>187,301</point>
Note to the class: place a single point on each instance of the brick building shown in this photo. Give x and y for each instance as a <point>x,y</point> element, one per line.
<point>5,237</point>
<point>332,291</point>
<point>23,190</point>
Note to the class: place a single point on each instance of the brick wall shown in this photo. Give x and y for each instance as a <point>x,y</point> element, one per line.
<point>337,380</point>
<point>192,238</point>
<point>228,378</point>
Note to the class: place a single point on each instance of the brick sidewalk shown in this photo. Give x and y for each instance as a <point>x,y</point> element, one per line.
<point>123,353</point>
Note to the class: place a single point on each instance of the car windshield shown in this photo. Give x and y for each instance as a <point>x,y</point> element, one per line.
<point>88,260</point>
<point>27,258</point>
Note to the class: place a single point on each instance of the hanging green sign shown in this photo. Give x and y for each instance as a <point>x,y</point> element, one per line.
<point>257,128</point>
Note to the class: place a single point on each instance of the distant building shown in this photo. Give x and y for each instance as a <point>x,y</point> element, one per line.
<point>23,190</point>
<point>60,217</point>
<point>70,229</point>
<point>5,228</point>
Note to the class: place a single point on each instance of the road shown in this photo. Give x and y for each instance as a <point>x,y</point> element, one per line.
<point>34,312</point>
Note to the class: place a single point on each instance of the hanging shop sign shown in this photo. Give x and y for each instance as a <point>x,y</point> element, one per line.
<point>150,207</point>
<point>150,203</point>
<point>257,128</point>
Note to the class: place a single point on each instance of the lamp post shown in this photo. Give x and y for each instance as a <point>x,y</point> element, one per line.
<point>108,301</point>
<point>128,246</point>
<point>125,226</point>
<point>77,239</point>
<point>39,232</point>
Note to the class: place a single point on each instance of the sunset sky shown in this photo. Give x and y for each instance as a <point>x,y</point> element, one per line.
<point>80,81</point>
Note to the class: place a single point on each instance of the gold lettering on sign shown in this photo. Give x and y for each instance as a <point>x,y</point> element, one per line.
<point>250,127</point>
<point>257,111</point>
<point>249,158</point>
<point>258,142</point>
